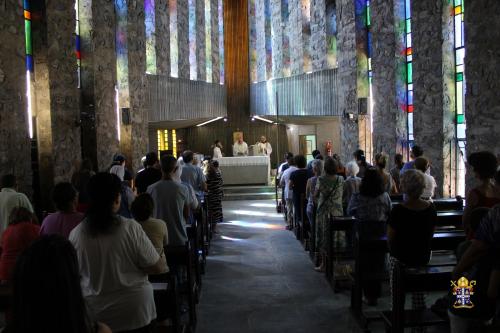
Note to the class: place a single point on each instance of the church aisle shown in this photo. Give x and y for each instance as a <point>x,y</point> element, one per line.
<point>259,279</point>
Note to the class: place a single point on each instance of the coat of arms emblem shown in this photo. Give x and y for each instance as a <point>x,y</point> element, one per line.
<point>463,289</point>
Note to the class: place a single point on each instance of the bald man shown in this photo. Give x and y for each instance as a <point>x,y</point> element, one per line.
<point>264,147</point>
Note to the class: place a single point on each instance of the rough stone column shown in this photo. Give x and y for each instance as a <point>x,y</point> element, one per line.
<point>347,87</point>
<point>389,120</point>
<point>14,138</point>
<point>200,40</point>
<point>261,40</point>
<point>296,43</point>
<point>214,21</point>
<point>277,41</point>
<point>433,87</point>
<point>136,38</point>
<point>318,34</point>
<point>482,110</point>
<point>64,94</point>
<point>183,37</point>
<point>162,35</point>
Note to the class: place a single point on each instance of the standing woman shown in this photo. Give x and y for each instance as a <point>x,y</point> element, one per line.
<point>215,194</point>
<point>329,189</point>
<point>217,149</point>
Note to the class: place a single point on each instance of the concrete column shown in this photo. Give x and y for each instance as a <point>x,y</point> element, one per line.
<point>348,102</point>
<point>183,37</point>
<point>432,36</point>
<point>200,40</point>
<point>214,21</point>
<point>64,93</point>
<point>296,43</point>
<point>389,88</point>
<point>482,110</point>
<point>162,35</point>
<point>15,144</point>
<point>261,40</point>
<point>318,34</point>
<point>136,38</point>
<point>277,40</point>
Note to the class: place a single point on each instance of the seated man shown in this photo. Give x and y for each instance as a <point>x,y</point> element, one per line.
<point>171,202</point>
<point>240,148</point>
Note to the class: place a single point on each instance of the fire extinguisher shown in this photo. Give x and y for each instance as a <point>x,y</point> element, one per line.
<point>328,148</point>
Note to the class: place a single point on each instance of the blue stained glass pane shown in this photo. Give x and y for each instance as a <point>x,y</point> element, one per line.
<point>29,62</point>
<point>410,97</point>
<point>369,37</point>
<point>407,9</point>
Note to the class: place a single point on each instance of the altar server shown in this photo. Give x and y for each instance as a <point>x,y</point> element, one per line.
<point>240,148</point>
<point>217,149</point>
<point>264,147</point>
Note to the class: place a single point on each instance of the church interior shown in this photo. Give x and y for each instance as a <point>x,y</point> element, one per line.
<point>295,165</point>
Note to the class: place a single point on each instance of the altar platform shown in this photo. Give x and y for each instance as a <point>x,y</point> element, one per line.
<point>245,170</point>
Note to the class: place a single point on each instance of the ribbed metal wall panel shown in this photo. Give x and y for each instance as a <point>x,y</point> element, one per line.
<point>181,99</point>
<point>313,94</point>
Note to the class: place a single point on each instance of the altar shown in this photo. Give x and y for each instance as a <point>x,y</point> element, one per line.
<point>245,170</point>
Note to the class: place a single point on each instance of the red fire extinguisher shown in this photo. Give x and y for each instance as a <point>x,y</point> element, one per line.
<point>328,148</point>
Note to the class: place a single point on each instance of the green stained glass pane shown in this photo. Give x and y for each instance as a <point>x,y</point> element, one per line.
<point>458,2</point>
<point>368,19</point>
<point>409,72</point>
<point>460,118</point>
<point>27,29</point>
<point>408,25</point>
<point>460,77</point>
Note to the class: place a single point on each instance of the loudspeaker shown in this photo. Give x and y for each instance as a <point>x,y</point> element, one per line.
<point>126,116</point>
<point>362,106</point>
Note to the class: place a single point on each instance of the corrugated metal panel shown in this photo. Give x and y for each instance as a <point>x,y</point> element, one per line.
<point>177,99</point>
<point>313,94</point>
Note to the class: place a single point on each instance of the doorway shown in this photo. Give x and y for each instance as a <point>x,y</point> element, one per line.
<point>307,143</point>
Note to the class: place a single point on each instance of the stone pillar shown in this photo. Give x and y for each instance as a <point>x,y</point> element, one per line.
<point>389,119</point>
<point>432,38</point>
<point>183,37</point>
<point>296,43</point>
<point>136,38</point>
<point>14,137</point>
<point>261,40</point>
<point>277,41</point>
<point>347,87</point>
<point>64,94</point>
<point>214,21</point>
<point>318,34</point>
<point>482,110</point>
<point>162,35</point>
<point>200,40</point>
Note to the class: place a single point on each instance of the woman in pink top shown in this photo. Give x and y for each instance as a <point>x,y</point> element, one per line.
<point>66,218</point>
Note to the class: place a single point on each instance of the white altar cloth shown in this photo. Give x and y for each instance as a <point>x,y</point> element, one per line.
<point>245,170</point>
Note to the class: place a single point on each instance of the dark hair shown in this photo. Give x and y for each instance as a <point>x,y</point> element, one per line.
<point>151,158</point>
<point>421,163</point>
<point>359,155</point>
<point>319,157</point>
<point>119,158</point>
<point>103,189</point>
<point>63,195</point>
<point>331,166</point>
<point>398,159</point>
<point>8,181</point>
<point>214,163</point>
<point>372,184</point>
<point>315,152</point>
<point>46,282</point>
<point>168,164</point>
<point>216,142</point>
<point>417,151</point>
<point>21,214</point>
<point>300,161</point>
<point>187,156</point>
<point>484,164</point>
<point>86,164</point>
<point>142,207</point>
<point>288,155</point>
<point>381,160</point>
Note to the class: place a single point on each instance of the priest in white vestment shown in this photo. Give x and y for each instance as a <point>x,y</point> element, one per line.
<point>263,147</point>
<point>240,148</point>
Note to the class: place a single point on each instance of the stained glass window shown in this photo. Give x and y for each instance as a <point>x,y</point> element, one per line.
<point>221,41</point>
<point>208,41</point>
<point>29,63</point>
<point>331,33</point>
<point>174,44</point>
<point>162,140</point>
<point>122,51</point>
<point>193,66</point>
<point>174,143</point>
<point>149,15</point>
<point>409,71</point>
<point>77,43</point>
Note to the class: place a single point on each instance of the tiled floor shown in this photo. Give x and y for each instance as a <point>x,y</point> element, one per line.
<point>259,279</point>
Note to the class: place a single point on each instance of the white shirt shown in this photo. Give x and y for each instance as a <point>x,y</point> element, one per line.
<point>264,148</point>
<point>115,286</point>
<point>10,199</point>
<point>217,152</point>
<point>240,149</point>
<point>285,180</point>
<point>430,186</point>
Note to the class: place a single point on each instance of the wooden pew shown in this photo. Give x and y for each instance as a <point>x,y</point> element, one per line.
<point>442,205</point>
<point>337,223</point>
<point>441,241</point>
<point>167,299</point>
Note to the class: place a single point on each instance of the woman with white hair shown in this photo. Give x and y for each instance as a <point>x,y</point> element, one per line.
<point>317,169</point>
<point>411,227</point>
<point>351,183</point>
